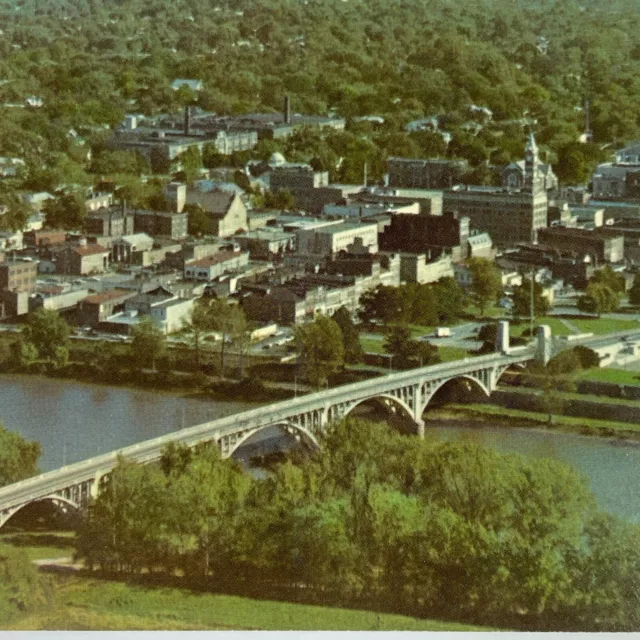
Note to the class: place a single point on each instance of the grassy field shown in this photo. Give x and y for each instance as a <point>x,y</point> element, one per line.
<point>84,603</point>
<point>604,325</point>
<point>40,544</point>
<point>615,376</point>
<point>558,328</point>
<point>448,354</point>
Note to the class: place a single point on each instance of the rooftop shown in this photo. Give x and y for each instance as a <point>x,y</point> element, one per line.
<point>222,256</point>
<point>89,250</point>
<point>106,296</point>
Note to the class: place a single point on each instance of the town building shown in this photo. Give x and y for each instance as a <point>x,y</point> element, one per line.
<point>168,312</point>
<point>420,268</point>
<point>96,308</point>
<point>214,266</point>
<point>302,298</point>
<point>510,216</point>
<point>161,223</point>
<point>326,240</point>
<point>429,201</point>
<point>431,173</point>
<point>125,248</point>
<point>600,246</point>
<point>18,275</point>
<point>419,234</point>
<point>83,259</point>
<point>41,238</point>
<point>112,222</point>
<point>619,179</point>
<point>513,176</point>
<point>267,243</point>
<point>226,211</point>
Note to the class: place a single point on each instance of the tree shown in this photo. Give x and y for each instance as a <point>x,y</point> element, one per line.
<point>522,300</point>
<point>230,321</point>
<point>319,344</point>
<point>634,292</point>
<point>486,284</point>
<point>198,221</point>
<point>406,351</point>
<point>598,298</point>
<point>23,353</point>
<point>350,336</point>
<point>66,211</point>
<point>47,331</point>
<point>200,320</point>
<point>18,457</point>
<point>610,278</point>
<point>451,300</point>
<point>148,344</point>
<point>191,162</point>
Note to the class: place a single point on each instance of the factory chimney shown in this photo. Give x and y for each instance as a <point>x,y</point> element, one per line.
<point>287,110</point>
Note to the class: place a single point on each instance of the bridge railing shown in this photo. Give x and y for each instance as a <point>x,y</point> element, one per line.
<point>85,470</point>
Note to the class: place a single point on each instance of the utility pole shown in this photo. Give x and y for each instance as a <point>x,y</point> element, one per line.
<point>531,302</point>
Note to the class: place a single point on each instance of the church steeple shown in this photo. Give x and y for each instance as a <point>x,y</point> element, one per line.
<point>531,163</point>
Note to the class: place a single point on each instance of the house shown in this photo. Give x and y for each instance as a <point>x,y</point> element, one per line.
<point>267,243</point>
<point>226,212</point>
<point>83,259</point>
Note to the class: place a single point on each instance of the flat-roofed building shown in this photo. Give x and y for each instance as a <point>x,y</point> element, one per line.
<point>207,269</point>
<point>83,259</point>
<point>411,233</point>
<point>429,173</point>
<point>343,236</point>
<point>601,246</point>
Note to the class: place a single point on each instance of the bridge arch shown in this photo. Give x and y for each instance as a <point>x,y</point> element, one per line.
<point>284,425</point>
<point>4,518</point>
<point>405,409</point>
<point>441,383</point>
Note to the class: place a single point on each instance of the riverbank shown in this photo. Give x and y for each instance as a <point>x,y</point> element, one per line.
<point>482,415</point>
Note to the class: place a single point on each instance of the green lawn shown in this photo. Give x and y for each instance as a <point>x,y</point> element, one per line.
<point>41,544</point>
<point>615,376</point>
<point>371,345</point>
<point>604,325</point>
<point>558,328</point>
<point>448,354</point>
<point>91,604</point>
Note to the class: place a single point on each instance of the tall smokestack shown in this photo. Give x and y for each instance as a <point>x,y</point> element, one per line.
<point>287,110</point>
<point>187,121</point>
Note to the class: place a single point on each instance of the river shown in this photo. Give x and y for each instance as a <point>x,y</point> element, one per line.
<point>74,421</point>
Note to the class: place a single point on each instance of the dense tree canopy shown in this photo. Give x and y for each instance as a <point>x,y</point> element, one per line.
<point>527,62</point>
<point>424,528</point>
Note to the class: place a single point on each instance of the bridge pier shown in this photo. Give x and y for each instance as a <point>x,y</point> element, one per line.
<point>420,425</point>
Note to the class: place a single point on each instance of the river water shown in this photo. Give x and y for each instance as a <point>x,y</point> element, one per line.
<point>75,421</point>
